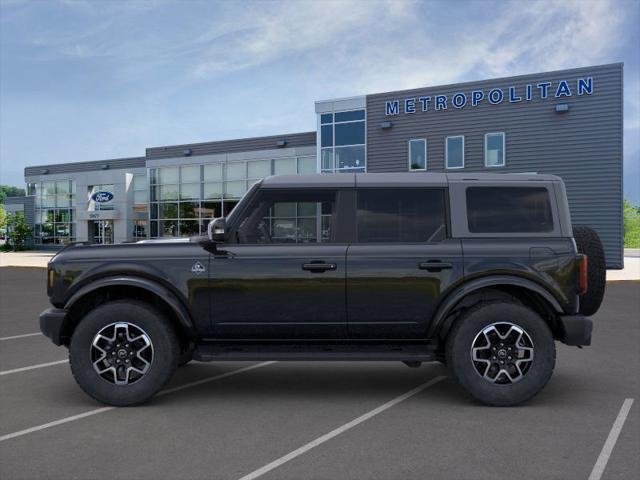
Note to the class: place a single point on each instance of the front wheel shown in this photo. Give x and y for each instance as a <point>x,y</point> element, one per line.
<point>502,353</point>
<point>123,352</point>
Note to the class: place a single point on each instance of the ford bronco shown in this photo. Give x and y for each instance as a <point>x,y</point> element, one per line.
<point>482,272</point>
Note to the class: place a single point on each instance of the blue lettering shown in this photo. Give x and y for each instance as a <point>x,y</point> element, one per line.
<point>459,100</point>
<point>391,107</point>
<point>410,105</point>
<point>496,96</point>
<point>425,103</point>
<point>512,95</point>
<point>529,92</point>
<point>544,88</point>
<point>563,89</point>
<point>441,102</point>
<point>585,85</point>
<point>476,97</point>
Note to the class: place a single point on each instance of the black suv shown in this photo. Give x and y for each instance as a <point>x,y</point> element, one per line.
<point>482,272</point>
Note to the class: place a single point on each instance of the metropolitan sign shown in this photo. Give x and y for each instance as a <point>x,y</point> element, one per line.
<point>493,96</point>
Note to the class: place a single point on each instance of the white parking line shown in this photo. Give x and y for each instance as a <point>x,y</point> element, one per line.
<point>32,367</point>
<point>20,336</point>
<point>97,411</point>
<point>334,433</point>
<point>601,463</point>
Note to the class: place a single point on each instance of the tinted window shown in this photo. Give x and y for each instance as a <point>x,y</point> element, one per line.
<point>509,209</point>
<point>289,217</point>
<point>349,133</point>
<point>407,215</point>
<point>350,116</point>
<point>455,152</point>
<point>417,154</point>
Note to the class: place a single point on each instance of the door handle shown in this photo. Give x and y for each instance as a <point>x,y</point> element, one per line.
<point>434,266</point>
<point>318,267</point>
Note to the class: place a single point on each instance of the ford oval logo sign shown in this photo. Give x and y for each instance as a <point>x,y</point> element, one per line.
<point>102,197</point>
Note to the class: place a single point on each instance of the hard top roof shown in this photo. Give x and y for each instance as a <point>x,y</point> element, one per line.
<point>401,179</point>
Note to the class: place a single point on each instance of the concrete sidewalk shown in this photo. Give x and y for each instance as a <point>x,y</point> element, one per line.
<point>30,258</point>
<point>36,258</point>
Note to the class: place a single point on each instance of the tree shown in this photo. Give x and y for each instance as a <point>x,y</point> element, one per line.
<point>18,231</point>
<point>3,218</point>
<point>631,225</point>
<point>9,191</point>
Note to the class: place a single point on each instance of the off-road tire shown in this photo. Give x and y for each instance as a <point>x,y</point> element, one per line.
<point>459,357</point>
<point>588,242</point>
<point>166,352</point>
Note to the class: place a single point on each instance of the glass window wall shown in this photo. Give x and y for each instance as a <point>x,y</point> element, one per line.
<point>183,200</point>
<point>55,215</point>
<point>342,142</point>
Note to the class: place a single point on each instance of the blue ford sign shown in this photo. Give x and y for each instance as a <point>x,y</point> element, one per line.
<point>492,96</point>
<point>102,197</point>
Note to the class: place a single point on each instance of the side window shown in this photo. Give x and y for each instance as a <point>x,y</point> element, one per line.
<point>418,154</point>
<point>394,215</point>
<point>509,210</point>
<point>455,152</point>
<point>290,216</point>
<point>494,150</point>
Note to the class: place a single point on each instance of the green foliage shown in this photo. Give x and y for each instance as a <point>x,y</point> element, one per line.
<point>3,218</point>
<point>631,225</point>
<point>18,231</point>
<point>9,191</point>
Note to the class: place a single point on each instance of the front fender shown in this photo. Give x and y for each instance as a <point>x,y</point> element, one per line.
<point>181,312</point>
<point>454,297</point>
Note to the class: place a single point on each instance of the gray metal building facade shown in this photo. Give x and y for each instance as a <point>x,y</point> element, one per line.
<point>567,123</point>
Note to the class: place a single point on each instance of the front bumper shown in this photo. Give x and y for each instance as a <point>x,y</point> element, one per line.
<point>575,330</point>
<point>51,324</point>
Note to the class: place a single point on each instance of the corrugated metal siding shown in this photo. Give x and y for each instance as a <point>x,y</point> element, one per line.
<point>231,146</point>
<point>583,146</point>
<point>113,164</point>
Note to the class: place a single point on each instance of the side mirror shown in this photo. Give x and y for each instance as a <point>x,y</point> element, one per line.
<point>216,230</point>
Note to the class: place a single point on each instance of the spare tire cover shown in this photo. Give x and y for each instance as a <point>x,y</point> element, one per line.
<point>588,243</point>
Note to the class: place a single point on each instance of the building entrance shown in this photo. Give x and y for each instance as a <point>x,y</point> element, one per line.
<point>101,231</point>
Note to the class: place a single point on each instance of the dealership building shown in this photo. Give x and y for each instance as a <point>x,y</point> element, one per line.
<point>567,123</point>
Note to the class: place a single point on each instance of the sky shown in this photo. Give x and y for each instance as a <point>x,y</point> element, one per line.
<point>89,80</point>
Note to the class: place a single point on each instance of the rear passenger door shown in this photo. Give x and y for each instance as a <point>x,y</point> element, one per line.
<point>401,262</point>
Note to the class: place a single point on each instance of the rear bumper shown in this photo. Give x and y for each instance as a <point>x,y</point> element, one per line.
<point>575,330</point>
<point>51,323</point>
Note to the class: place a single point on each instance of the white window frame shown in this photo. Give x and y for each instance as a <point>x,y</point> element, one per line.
<point>333,146</point>
<point>504,149</point>
<point>409,154</point>
<point>446,149</point>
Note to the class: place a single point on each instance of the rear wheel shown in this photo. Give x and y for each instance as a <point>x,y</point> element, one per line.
<point>502,353</point>
<point>588,243</point>
<point>123,352</point>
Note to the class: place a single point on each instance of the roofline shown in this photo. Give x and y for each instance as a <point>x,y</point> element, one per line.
<point>216,142</point>
<point>90,162</point>
<point>468,82</point>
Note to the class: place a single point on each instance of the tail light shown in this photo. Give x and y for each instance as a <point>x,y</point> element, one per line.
<point>582,279</point>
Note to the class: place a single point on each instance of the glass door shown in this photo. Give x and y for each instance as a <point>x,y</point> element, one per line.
<point>103,232</point>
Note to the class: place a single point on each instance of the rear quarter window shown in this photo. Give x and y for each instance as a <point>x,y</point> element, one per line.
<point>509,210</point>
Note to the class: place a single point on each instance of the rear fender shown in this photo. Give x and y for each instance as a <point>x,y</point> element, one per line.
<point>440,324</point>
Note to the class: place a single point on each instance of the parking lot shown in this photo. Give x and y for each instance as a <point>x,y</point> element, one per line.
<point>305,420</point>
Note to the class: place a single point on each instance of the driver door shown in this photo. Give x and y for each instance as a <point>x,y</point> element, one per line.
<point>283,274</point>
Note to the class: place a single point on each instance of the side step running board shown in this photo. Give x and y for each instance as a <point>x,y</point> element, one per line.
<point>403,352</point>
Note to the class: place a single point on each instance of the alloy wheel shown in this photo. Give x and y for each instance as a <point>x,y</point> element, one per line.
<point>502,353</point>
<point>121,353</point>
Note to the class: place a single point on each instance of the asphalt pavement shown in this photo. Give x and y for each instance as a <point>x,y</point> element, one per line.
<point>311,420</point>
